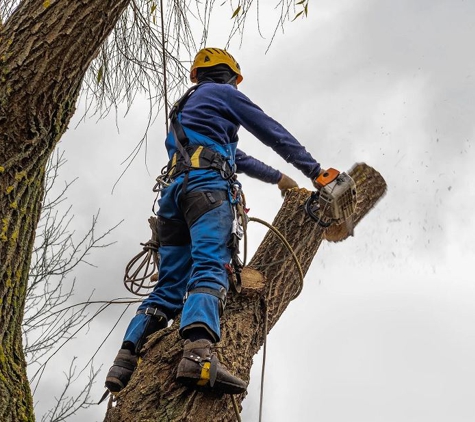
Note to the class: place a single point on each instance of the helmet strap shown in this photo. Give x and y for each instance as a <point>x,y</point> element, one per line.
<point>233,81</point>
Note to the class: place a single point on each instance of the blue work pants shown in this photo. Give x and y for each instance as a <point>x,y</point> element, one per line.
<point>198,263</point>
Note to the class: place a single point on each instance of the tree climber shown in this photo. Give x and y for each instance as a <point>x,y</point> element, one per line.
<point>195,218</point>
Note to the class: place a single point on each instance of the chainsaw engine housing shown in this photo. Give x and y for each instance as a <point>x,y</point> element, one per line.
<point>337,199</point>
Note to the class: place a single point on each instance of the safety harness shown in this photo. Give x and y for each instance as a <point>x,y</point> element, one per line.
<point>191,156</point>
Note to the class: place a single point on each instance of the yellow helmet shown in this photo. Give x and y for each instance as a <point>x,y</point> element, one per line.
<point>208,57</point>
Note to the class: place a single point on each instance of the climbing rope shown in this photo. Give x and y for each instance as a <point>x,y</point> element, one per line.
<point>140,272</point>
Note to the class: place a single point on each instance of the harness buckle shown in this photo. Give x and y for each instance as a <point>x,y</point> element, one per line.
<point>227,171</point>
<point>155,312</point>
<point>150,311</point>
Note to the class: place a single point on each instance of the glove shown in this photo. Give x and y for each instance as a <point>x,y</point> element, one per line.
<point>286,183</point>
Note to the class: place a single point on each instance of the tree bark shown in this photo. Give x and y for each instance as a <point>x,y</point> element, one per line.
<point>45,50</point>
<point>270,282</point>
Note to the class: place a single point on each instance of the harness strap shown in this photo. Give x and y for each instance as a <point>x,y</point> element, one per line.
<point>181,140</point>
<point>177,128</point>
<point>178,133</point>
<point>220,294</point>
<point>155,312</point>
<point>198,157</point>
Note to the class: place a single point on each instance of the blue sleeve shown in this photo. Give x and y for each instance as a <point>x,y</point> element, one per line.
<point>252,167</point>
<point>270,132</point>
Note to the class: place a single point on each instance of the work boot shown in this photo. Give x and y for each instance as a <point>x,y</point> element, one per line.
<point>200,368</point>
<point>120,372</point>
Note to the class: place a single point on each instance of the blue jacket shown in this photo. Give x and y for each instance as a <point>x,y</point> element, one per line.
<point>218,110</point>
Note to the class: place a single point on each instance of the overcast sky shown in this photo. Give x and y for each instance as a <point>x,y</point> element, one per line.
<point>384,328</point>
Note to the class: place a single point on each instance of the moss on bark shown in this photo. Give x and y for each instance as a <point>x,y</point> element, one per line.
<point>44,53</point>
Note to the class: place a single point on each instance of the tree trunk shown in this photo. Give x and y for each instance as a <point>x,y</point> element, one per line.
<point>45,50</point>
<point>270,282</point>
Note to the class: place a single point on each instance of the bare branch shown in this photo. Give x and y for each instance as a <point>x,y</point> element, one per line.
<point>49,322</point>
<point>66,404</point>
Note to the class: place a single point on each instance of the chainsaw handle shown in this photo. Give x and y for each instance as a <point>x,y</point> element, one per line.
<point>326,177</point>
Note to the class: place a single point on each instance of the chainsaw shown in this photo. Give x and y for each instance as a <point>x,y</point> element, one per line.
<point>334,201</point>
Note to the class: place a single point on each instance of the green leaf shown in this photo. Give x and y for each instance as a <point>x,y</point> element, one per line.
<point>100,73</point>
<point>236,12</point>
<point>297,15</point>
<point>46,4</point>
<point>301,2</point>
<point>154,7</point>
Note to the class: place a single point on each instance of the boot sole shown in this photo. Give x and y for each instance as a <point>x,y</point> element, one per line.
<point>219,386</point>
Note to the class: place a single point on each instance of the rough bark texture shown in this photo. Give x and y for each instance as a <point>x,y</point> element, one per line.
<point>270,282</point>
<point>45,49</point>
